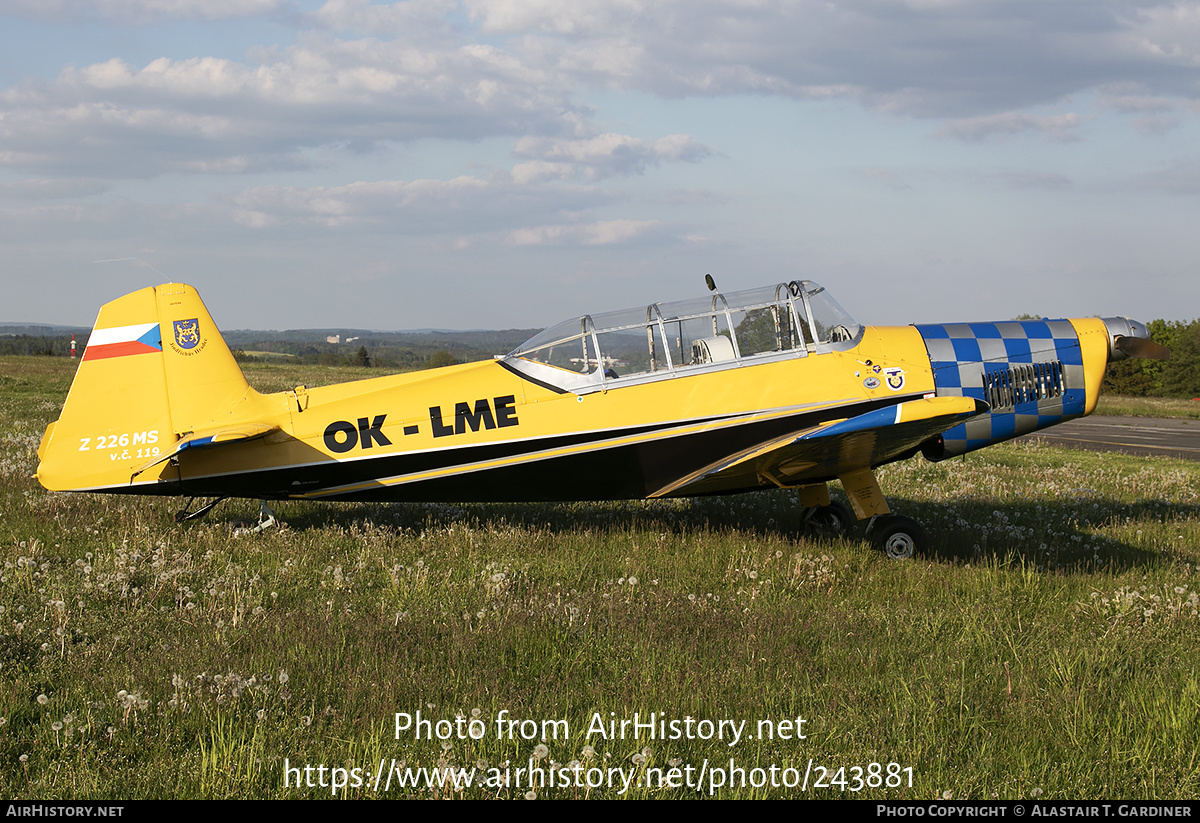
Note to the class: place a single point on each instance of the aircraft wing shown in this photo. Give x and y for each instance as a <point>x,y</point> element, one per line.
<point>210,438</point>
<point>831,449</point>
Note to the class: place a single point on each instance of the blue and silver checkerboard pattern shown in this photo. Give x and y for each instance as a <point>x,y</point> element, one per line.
<point>963,354</point>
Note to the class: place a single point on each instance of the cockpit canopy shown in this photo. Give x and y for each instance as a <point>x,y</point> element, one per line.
<point>598,351</point>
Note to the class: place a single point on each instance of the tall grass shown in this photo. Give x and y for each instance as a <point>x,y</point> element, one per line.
<point>1046,644</point>
<point>1117,406</point>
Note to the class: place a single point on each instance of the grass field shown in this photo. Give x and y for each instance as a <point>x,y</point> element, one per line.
<point>1149,407</point>
<point>1046,646</point>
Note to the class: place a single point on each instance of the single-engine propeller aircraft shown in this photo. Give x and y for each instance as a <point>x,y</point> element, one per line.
<point>771,387</point>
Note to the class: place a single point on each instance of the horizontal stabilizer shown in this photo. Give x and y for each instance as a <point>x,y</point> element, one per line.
<point>211,438</point>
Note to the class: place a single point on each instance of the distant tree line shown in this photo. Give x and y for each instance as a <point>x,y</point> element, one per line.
<point>37,344</point>
<point>391,358</point>
<point>391,351</point>
<point>1177,377</point>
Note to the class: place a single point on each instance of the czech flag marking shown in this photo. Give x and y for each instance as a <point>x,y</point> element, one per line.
<point>121,341</point>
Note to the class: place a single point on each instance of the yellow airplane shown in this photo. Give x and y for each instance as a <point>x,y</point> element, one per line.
<point>771,387</point>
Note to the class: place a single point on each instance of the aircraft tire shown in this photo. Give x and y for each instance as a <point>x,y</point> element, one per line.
<point>898,537</point>
<point>833,520</point>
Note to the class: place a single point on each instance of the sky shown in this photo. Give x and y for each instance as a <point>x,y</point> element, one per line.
<point>511,163</point>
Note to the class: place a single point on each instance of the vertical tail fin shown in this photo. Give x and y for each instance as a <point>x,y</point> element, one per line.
<point>155,368</point>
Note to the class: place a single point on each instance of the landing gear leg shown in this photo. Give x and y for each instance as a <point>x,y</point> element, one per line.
<point>266,516</point>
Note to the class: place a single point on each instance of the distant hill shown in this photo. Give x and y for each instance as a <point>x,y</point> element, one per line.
<point>40,338</point>
<point>412,349</point>
<point>44,329</point>
<point>502,341</point>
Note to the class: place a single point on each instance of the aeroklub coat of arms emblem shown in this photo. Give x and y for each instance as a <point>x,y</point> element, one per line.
<point>895,378</point>
<point>187,333</point>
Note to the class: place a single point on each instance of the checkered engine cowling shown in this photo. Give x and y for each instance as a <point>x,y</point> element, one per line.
<point>1030,373</point>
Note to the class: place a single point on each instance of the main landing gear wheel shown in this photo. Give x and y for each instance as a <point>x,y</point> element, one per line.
<point>898,537</point>
<point>831,521</point>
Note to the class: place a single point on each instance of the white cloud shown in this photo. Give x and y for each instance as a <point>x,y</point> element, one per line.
<point>603,155</point>
<point>137,12</point>
<point>599,233</point>
<point>1054,126</point>
<point>935,59</point>
<point>497,211</point>
<point>1169,32</point>
<point>386,20</point>
<point>360,202</point>
<point>521,72</point>
<point>323,73</point>
<point>418,207</point>
<point>209,113</point>
<point>580,17</point>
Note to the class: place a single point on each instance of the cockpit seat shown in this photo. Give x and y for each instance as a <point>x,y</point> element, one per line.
<point>711,350</point>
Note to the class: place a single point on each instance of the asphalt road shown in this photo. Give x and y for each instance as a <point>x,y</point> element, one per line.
<point>1132,435</point>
